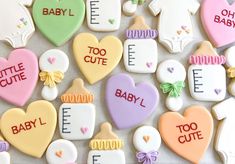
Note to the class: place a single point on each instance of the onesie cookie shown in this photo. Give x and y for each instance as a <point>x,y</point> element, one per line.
<point>16,24</point>
<point>230,63</point>
<point>147,141</point>
<point>175,26</point>
<point>77,113</point>
<point>140,49</point>
<point>103,15</point>
<point>206,75</point>
<point>130,6</point>
<point>53,64</point>
<point>171,74</point>
<point>106,147</point>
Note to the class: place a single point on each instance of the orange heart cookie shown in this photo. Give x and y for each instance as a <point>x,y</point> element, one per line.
<point>30,132</point>
<point>188,135</point>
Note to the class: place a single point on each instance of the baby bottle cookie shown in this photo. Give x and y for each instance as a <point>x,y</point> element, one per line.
<point>130,6</point>
<point>140,49</point>
<point>77,113</point>
<point>171,74</point>
<point>230,63</point>
<point>106,147</point>
<point>53,64</point>
<point>4,155</point>
<point>206,75</point>
<point>16,24</point>
<point>147,141</point>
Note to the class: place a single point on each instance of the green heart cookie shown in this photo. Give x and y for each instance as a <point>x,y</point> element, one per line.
<point>58,20</point>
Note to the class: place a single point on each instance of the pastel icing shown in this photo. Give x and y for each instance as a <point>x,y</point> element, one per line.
<point>230,56</point>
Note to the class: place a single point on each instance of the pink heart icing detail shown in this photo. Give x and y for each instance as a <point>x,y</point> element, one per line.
<point>149,64</point>
<point>84,130</point>
<point>21,72</point>
<point>51,60</point>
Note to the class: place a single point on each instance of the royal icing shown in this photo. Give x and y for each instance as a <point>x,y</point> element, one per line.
<point>77,113</point>
<point>171,74</point>
<point>140,50</point>
<point>58,20</point>
<point>18,76</point>
<point>130,6</point>
<point>178,32</point>
<point>106,146</point>
<point>230,62</point>
<point>53,64</point>
<point>182,134</point>
<point>5,158</point>
<point>96,59</point>
<point>206,75</point>
<point>124,99</point>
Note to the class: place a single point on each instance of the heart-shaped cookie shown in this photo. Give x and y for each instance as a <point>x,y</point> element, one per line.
<point>188,135</point>
<point>18,76</point>
<point>129,104</point>
<point>58,20</point>
<point>97,59</point>
<point>218,20</point>
<point>30,132</point>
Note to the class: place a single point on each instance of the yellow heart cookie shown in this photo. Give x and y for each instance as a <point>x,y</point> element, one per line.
<point>30,132</point>
<point>97,59</point>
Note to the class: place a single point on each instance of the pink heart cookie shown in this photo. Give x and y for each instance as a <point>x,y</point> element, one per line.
<point>18,76</point>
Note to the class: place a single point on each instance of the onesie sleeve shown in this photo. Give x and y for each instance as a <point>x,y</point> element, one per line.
<point>193,6</point>
<point>155,7</point>
<point>223,109</point>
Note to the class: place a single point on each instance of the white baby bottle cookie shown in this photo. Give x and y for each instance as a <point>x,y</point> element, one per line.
<point>230,63</point>
<point>140,49</point>
<point>103,15</point>
<point>106,147</point>
<point>53,64</point>
<point>171,74</point>
<point>206,75</point>
<point>130,6</point>
<point>175,26</point>
<point>147,141</point>
<point>225,143</point>
<point>16,22</point>
<point>4,155</point>
<point>77,113</point>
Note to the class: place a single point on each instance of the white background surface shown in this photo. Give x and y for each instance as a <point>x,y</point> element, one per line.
<point>39,44</point>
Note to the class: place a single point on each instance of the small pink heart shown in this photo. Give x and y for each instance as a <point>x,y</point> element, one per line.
<point>149,64</point>
<point>84,130</point>
<point>51,60</point>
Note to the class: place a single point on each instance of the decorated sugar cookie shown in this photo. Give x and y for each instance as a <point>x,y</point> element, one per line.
<point>16,27</point>
<point>177,33</point>
<point>96,59</point>
<point>124,98</point>
<point>230,63</point>
<point>140,50</point>
<point>171,74</point>
<point>61,152</point>
<point>58,20</point>
<point>106,147</point>
<point>77,113</point>
<point>192,131</point>
<point>224,143</point>
<point>206,75</point>
<point>147,141</point>
<point>18,76</point>
<point>218,20</point>
<point>103,15</point>
<point>30,131</point>
<point>130,6</point>
<point>4,155</point>
<point>53,64</point>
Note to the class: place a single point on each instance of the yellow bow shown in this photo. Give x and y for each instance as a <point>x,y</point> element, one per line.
<point>51,78</point>
<point>231,72</point>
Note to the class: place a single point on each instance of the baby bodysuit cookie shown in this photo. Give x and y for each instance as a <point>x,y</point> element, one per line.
<point>77,113</point>
<point>206,75</point>
<point>230,63</point>
<point>140,50</point>
<point>106,147</point>
<point>175,26</point>
<point>16,22</point>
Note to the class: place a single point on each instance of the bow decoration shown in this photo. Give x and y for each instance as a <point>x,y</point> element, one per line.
<point>173,90</point>
<point>147,158</point>
<point>231,72</point>
<point>51,78</point>
<point>140,2</point>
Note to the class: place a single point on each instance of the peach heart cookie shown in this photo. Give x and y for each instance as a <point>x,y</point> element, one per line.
<point>171,74</point>
<point>106,146</point>
<point>22,129</point>
<point>230,63</point>
<point>206,75</point>
<point>182,134</point>
<point>147,141</point>
<point>61,152</point>
<point>77,113</point>
<point>140,49</point>
<point>96,59</point>
<point>53,64</point>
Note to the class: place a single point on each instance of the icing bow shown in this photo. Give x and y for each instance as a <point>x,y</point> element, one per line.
<point>140,2</point>
<point>231,72</point>
<point>51,78</point>
<point>174,90</point>
<point>147,158</point>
